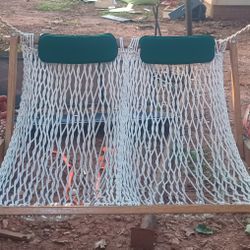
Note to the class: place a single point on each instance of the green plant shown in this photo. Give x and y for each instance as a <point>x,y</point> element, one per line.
<point>56,5</point>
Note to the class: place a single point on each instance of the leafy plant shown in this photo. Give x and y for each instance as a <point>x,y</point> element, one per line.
<point>193,155</point>
<point>247,230</point>
<point>203,229</point>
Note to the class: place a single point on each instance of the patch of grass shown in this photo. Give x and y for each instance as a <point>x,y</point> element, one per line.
<point>56,5</point>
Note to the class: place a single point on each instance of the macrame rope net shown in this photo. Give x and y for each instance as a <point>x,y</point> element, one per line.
<point>122,133</point>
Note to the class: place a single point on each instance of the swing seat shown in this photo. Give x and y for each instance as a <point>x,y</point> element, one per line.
<point>163,112</point>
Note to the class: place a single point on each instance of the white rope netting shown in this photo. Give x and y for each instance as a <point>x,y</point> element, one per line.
<point>122,133</point>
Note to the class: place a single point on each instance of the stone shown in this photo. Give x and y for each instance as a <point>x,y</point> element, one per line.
<point>5,223</point>
<point>175,241</point>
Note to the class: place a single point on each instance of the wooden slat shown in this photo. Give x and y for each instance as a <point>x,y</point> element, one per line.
<point>238,128</point>
<point>161,209</point>
<point>12,79</point>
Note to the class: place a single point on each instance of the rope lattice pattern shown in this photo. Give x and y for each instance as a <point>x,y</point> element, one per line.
<point>122,133</point>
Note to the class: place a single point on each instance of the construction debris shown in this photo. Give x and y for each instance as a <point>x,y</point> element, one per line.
<point>15,235</point>
<point>89,1</point>
<point>128,9</point>
<point>197,7</point>
<point>101,244</point>
<point>117,19</point>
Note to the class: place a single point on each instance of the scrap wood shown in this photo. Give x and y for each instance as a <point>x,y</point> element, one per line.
<point>15,235</point>
<point>128,8</point>
<point>116,18</point>
<point>101,244</point>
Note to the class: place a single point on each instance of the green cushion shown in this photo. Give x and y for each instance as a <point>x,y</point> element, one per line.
<point>177,49</point>
<point>77,49</point>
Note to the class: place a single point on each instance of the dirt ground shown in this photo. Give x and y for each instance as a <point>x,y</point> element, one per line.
<point>173,232</point>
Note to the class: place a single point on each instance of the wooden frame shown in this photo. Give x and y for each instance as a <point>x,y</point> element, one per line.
<point>154,209</point>
<point>11,96</point>
<point>236,96</point>
<point>243,145</point>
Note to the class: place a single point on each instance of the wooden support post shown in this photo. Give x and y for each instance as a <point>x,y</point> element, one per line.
<point>11,101</point>
<point>188,17</point>
<point>238,127</point>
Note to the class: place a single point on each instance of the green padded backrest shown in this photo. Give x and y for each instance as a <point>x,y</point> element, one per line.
<point>77,49</point>
<point>177,49</point>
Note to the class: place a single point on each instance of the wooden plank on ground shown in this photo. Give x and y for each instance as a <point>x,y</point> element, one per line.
<point>15,235</point>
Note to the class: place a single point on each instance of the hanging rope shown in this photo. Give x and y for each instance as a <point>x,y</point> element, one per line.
<point>25,37</point>
<point>15,30</point>
<point>234,36</point>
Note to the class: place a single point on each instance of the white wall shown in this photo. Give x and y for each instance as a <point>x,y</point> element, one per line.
<point>228,2</point>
